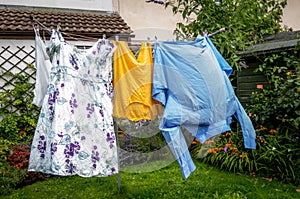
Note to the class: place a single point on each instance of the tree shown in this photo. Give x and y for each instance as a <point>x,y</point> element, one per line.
<point>246,22</point>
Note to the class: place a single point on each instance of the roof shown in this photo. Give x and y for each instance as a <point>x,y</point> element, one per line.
<point>16,22</point>
<point>273,43</point>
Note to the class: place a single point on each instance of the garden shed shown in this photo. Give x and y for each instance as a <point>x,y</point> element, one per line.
<point>248,80</point>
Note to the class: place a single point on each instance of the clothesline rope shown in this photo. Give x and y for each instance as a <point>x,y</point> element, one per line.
<point>85,38</point>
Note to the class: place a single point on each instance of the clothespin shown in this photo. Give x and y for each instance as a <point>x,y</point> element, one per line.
<point>117,38</point>
<point>217,32</point>
<point>58,27</point>
<point>104,38</point>
<point>148,41</point>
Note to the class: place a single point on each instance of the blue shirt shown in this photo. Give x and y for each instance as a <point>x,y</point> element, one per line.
<point>191,80</point>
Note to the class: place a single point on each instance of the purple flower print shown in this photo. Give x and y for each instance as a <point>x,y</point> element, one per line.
<point>90,108</point>
<point>60,134</point>
<point>70,168</point>
<point>95,157</point>
<point>111,139</point>
<point>101,111</point>
<point>53,148</point>
<point>70,151</point>
<point>73,60</point>
<point>100,43</point>
<point>73,103</point>
<point>51,101</point>
<point>108,88</point>
<point>111,45</point>
<point>42,146</point>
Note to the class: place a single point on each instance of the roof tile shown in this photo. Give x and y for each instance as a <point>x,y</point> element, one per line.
<point>17,23</point>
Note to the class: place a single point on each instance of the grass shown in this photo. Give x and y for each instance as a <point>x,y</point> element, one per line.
<point>205,182</point>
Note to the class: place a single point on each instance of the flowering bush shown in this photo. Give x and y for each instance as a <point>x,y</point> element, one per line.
<point>275,113</point>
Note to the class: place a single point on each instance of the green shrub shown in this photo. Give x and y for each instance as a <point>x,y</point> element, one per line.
<point>13,169</point>
<point>277,105</point>
<point>246,22</point>
<point>19,116</point>
<point>10,178</point>
<point>277,156</point>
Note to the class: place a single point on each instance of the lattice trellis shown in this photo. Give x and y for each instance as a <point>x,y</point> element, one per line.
<point>15,59</point>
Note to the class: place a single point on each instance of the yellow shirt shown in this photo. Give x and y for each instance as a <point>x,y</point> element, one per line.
<point>133,84</point>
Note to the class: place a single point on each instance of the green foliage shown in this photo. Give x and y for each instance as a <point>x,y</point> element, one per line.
<point>277,156</point>
<point>19,116</point>
<point>246,22</point>
<point>277,106</point>
<point>5,149</point>
<point>14,166</point>
<point>10,178</point>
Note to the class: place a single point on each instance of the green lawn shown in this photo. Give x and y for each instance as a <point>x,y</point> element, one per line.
<point>205,182</point>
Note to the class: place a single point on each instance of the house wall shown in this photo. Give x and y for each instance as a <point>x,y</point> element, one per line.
<point>101,5</point>
<point>291,15</point>
<point>149,19</point>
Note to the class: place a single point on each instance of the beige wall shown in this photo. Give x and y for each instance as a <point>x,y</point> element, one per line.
<point>149,19</point>
<point>291,14</point>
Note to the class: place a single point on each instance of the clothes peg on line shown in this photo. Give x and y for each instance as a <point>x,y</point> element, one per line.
<point>117,38</point>
<point>58,27</point>
<point>217,32</point>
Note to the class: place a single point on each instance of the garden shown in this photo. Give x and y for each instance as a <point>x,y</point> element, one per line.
<point>228,170</point>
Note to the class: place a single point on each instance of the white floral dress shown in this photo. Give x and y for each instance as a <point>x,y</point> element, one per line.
<point>75,131</point>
